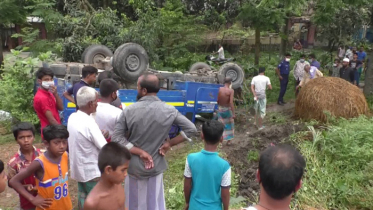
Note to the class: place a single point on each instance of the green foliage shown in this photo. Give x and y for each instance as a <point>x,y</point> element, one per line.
<point>11,11</point>
<point>253,155</point>
<point>16,87</point>
<point>338,20</point>
<point>339,166</point>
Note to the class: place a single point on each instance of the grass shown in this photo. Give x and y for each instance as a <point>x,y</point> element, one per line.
<point>339,165</point>
<point>277,118</point>
<point>174,178</point>
<point>253,155</point>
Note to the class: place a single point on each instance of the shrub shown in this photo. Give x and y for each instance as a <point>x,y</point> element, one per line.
<point>17,85</point>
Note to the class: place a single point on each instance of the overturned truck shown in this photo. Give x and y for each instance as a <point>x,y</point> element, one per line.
<point>130,61</point>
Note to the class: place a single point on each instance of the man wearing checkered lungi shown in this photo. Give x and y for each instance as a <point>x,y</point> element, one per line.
<point>225,112</point>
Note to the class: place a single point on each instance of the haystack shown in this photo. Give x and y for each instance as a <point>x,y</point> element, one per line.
<point>330,94</point>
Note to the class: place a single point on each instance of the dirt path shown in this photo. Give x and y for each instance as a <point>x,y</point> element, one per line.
<point>243,154</point>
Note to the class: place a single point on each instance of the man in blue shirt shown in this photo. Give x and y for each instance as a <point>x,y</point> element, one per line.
<point>314,62</point>
<point>283,71</point>
<point>361,55</point>
<point>207,176</point>
<point>89,74</point>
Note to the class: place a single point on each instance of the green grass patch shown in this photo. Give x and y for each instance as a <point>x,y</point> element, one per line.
<point>253,155</point>
<point>6,138</point>
<point>339,165</point>
<point>277,118</point>
<point>174,179</point>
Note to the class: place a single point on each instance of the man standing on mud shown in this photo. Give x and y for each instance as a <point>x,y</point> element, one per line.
<point>258,87</point>
<point>226,110</point>
<point>283,71</point>
<point>146,124</point>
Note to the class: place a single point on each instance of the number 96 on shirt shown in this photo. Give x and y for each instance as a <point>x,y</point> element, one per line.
<point>60,191</point>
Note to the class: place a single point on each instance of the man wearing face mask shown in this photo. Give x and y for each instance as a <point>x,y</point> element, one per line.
<point>107,115</point>
<point>147,123</point>
<point>298,71</point>
<point>314,62</point>
<point>47,102</point>
<point>283,71</point>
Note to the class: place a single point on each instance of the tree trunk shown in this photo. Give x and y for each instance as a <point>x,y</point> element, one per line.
<point>284,40</point>
<point>368,82</point>
<point>257,46</point>
<point>1,48</point>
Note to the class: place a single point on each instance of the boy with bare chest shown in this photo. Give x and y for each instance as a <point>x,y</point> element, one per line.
<point>108,194</point>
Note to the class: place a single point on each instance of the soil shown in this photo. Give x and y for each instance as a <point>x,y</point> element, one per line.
<point>257,140</point>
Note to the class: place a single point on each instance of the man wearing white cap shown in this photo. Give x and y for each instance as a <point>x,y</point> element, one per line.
<point>346,72</point>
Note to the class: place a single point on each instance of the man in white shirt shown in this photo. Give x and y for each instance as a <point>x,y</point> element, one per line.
<point>258,87</point>
<point>221,52</point>
<point>85,141</point>
<point>107,115</point>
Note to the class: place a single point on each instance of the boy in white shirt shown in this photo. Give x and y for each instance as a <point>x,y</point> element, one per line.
<point>258,87</point>
<point>107,115</point>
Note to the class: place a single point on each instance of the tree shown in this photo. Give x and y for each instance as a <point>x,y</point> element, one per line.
<point>261,18</point>
<point>368,83</point>
<point>11,12</point>
<point>339,20</point>
<point>290,8</point>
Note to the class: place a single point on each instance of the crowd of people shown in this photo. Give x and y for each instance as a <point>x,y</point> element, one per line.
<point>117,154</point>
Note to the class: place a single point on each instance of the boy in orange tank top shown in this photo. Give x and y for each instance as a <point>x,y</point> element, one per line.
<point>51,172</point>
<point>108,194</point>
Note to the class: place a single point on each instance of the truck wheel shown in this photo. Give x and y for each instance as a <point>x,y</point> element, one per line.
<point>96,53</point>
<point>59,70</point>
<point>233,71</point>
<point>199,65</point>
<point>130,61</point>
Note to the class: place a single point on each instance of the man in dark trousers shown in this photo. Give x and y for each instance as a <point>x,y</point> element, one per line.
<point>346,72</point>
<point>283,71</point>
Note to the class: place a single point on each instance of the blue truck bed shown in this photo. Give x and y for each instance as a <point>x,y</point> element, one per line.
<point>189,98</point>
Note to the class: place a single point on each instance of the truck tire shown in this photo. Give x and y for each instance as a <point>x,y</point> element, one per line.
<point>59,70</point>
<point>199,65</point>
<point>95,53</point>
<point>130,61</point>
<point>233,71</point>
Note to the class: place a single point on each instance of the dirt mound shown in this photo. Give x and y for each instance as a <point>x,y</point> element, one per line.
<point>330,94</point>
<point>238,154</point>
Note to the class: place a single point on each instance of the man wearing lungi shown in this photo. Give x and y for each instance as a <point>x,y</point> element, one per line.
<point>258,87</point>
<point>147,124</point>
<point>226,109</point>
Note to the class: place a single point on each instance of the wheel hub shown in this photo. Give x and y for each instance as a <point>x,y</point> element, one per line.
<point>98,58</point>
<point>133,62</point>
<point>232,74</point>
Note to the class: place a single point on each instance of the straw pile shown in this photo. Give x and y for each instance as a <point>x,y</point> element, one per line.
<point>330,94</point>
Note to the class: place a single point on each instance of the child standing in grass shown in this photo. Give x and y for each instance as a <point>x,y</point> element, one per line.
<point>51,172</point>
<point>108,194</point>
<point>208,176</point>
<point>24,134</point>
<point>2,177</point>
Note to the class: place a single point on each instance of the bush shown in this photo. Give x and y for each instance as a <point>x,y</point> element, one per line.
<point>339,166</point>
<point>17,85</point>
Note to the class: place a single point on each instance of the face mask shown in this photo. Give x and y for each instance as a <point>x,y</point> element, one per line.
<point>334,64</point>
<point>287,59</point>
<point>302,60</point>
<point>310,60</point>
<point>46,84</point>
